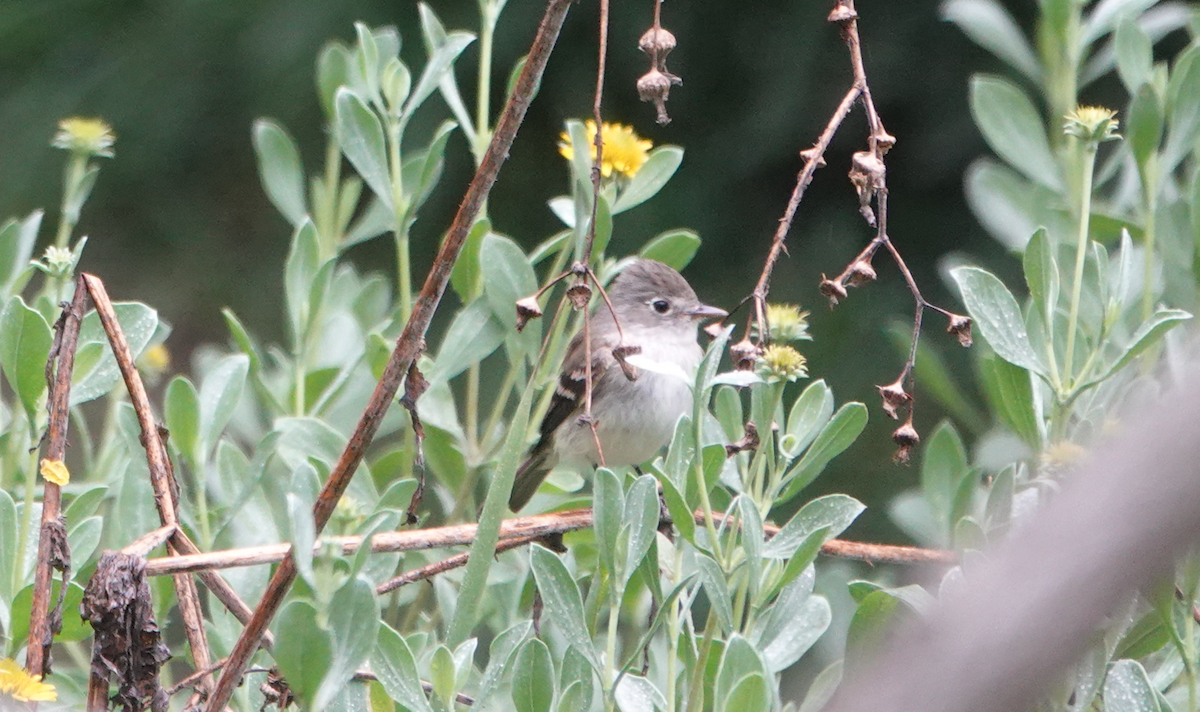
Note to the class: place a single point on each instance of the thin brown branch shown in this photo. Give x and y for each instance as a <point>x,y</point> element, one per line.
<point>161,475</point>
<point>66,340</point>
<point>410,343</point>
<point>447,564</point>
<point>148,542</point>
<point>522,529</point>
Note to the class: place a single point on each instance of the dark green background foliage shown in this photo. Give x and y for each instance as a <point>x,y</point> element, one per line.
<point>180,221</point>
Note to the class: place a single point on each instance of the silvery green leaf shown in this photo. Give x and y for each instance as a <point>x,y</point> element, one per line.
<point>1013,127</point>
<point>660,165</point>
<point>360,134</point>
<point>998,317</point>
<point>280,169</point>
<point>990,25</point>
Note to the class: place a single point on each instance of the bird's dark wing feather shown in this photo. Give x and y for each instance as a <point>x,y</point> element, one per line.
<point>571,388</point>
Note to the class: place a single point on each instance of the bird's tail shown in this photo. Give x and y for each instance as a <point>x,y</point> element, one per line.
<point>529,476</point>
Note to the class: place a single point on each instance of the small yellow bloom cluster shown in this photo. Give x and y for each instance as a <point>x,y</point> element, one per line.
<point>787,323</point>
<point>1094,124</point>
<point>624,150</point>
<point>18,685</point>
<point>91,137</point>
<point>780,363</point>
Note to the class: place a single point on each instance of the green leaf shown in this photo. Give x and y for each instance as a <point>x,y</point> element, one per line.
<point>533,678</point>
<point>393,664</point>
<point>299,274</point>
<point>219,395</point>
<point>1147,635</point>
<point>16,248</point>
<point>1009,206</point>
<point>354,627</point>
<point>96,374</point>
<point>1012,126</point>
<point>870,620</point>
<point>674,248</point>
<point>834,511</point>
<point>604,226</point>
<point>998,510</point>
<point>84,504</point>
<point>681,514</point>
<point>808,416</point>
<point>717,589</point>
<point>499,655</point>
<point>561,596</point>
<point>1128,689</point>
<point>8,554</point>
<point>795,622</point>
<point>74,629</point>
<point>507,276</point>
<point>333,70</point>
<point>637,694</point>
<point>660,165</point>
<point>1135,54</point>
<point>990,26</point>
<point>437,67</point>
<point>303,649</point>
<point>473,335</point>
<point>820,692</point>
<point>1183,109</point>
<point>280,169</point>
<point>641,520</point>
<point>738,660</point>
<point>608,505</point>
<point>997,315</point>
<point>1041,271</point>
<point>181,411</point>
<point>943,467</point>
<point>749,694</point>
<point>837,435</point>
<point>25,342</point>
<point>465,275</point>
<point>360,134</point>
<point>1011,392</point>
<point>1144,127</point>
<point>423,171</point>
<point>1146,336</point>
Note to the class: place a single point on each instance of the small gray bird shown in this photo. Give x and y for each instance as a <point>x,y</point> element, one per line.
<point>635,417</point>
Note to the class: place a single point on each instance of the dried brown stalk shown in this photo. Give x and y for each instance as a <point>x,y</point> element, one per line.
<point>62,360</point>
<point>518,529</point>
<point>868,174</point>
<point>409,344</point>
<point>161,475</point>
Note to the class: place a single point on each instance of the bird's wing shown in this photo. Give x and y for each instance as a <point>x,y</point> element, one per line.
<point>572,383</point>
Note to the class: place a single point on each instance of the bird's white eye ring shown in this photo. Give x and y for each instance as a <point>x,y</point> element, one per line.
<point>662,306</point>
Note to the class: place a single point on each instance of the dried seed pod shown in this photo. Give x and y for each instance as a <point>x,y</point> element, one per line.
<point>841,14</point>
<point>745,354</point>
<point>657,43</point>
<point>832,290</point>
<point>579,294</point>
<point>960,326</point>
<point>894,396</point>
<point>655,86</point>
<point>860,273</point>
<point>906,438</point>
<point>527,308</point>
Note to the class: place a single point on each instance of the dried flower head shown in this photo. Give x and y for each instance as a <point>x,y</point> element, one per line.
<point>906,438</point>
<point>786,322</point>
<point>745,354</point>
<point>894,396</point>
<point>624,150</point>
<point>960,326</point>
<point>655,86</point>
<point>1092,124</point>
<point>779,363</point>
<point>657,43</point>
<point>527,308</point>
<point>87,137</point>
<point>579,294</point>
<point>860,273</point>
<point>19,686</point>
<point>832,290</point>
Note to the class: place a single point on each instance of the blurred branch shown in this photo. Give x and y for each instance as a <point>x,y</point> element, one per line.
<point>513,533</point>
<point>408,346</point>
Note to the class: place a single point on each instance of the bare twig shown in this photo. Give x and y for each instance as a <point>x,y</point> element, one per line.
<point>148,542</point>
<point>410,342</point>
<point>66,339</point>
<point>161,476</point>
<point>447,564</point>
<point>526,529</point>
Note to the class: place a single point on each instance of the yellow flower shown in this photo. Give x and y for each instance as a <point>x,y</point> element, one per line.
<point>55,471</point>
<point>19,685</point>
<point>781,363</point>
<point>1092,123</point>
<point>787,322</point>
<point>624,150</point>
<point>91,137</point>
<point>156,358</point>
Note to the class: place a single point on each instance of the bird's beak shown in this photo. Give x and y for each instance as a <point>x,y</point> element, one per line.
<point>703,311</point>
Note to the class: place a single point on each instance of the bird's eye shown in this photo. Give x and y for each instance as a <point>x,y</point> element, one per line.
<point>662,306</point>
